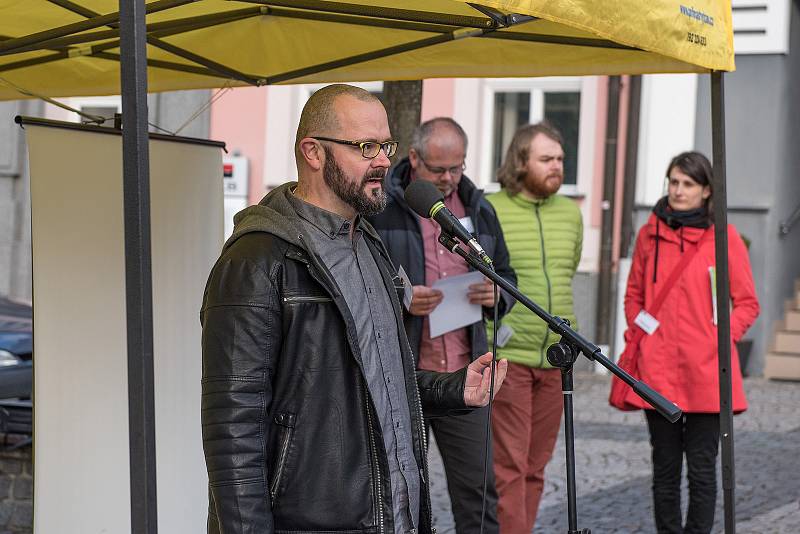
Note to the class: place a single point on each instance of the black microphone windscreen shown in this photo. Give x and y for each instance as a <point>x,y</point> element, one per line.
<point>421,196</point>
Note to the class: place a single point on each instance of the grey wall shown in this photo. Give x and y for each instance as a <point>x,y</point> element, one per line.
<point>762,106</point>
<point>584,294</point>
<point>15,233</point>
<point>167,110</point>
<point>171,110</point>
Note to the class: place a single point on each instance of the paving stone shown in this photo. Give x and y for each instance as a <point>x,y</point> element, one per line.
<point>22,516</point>
<point>5,515</point>
<point>10,466</point>
<point>23,487</point>
<point>5,487</point>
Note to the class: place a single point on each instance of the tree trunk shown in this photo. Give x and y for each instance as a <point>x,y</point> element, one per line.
<point>403,101</point>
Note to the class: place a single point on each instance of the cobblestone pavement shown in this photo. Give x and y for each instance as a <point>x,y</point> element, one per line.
<point>613,466</point>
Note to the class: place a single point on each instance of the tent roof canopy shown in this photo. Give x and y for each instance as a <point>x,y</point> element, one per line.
<point>71,48</point>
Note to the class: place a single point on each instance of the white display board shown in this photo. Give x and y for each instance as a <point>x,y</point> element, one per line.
<point>81,448</point>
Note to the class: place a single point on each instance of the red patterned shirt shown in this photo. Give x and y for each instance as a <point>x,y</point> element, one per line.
<point>451,351</point>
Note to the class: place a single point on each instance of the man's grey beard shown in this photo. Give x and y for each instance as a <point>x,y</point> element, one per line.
<point>354,193</point>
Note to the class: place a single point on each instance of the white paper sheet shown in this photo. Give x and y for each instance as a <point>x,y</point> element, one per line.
<point>455,311</point>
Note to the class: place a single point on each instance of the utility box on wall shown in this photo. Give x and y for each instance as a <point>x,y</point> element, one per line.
<point>235,180</point>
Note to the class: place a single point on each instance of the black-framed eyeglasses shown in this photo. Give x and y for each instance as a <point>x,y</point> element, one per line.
<point>439,171</point>
<point>369,149</point>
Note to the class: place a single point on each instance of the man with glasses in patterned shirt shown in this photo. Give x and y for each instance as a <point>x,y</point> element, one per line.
<point>437,154</point>
<point>311,406</point>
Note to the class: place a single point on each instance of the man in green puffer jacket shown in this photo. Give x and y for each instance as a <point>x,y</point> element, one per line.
<point>544,235</point>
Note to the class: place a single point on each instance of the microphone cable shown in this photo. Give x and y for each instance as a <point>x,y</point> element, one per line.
<point>488,440</point>
<point>450,243</point>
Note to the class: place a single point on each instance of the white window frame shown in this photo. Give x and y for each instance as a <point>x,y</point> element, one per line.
<point>537,87</point>
<point>771,21</point>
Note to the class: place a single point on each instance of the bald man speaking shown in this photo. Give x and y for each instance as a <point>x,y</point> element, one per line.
<point>312,409</point>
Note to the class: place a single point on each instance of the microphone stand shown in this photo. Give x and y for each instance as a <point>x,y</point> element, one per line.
<point>563,355</point>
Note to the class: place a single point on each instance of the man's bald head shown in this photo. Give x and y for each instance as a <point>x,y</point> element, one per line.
<point>319,116</point>
<point>442,130</point>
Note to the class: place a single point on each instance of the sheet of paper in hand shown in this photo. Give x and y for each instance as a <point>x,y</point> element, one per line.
<point>455,310</point>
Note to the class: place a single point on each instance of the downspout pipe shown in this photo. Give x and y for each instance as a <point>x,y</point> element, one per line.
<point>604,304</point>
<point>628,231</point>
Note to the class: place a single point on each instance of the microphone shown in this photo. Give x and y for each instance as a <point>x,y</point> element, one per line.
<point>428,202</point>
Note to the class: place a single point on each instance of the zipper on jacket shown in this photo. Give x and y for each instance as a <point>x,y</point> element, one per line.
<point>313,264</point>
<point>374,451</point>
<point>547,281</point>
<point>306,299</point>
<point>286,437</point>
<point>424,471</point>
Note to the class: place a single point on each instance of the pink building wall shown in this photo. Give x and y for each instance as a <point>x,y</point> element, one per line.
<point>596,202</point>
<point>239,118</point>
<point>438,97</point>
<point>622,136</point>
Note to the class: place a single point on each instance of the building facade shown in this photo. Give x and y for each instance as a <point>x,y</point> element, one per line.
<point>669,114</point>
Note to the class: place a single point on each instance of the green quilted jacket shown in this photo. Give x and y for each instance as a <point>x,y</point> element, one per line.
<point>544,239</point>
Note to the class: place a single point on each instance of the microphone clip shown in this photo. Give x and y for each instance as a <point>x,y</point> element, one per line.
<point>448,241</point>
<point>451,244</point>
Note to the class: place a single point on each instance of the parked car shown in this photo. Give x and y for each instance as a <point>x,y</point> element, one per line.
<point>16,349</point>
<point>16,374</point>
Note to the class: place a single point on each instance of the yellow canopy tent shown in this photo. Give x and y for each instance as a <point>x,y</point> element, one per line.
<point>65,48</point>
<point>93,47</point>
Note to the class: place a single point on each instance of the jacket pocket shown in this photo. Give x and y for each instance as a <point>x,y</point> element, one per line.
<point>285,422</point>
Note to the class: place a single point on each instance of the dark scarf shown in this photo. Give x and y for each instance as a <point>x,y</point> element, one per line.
<point>696,218</point>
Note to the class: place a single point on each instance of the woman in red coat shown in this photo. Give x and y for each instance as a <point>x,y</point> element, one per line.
<point>679,357</point>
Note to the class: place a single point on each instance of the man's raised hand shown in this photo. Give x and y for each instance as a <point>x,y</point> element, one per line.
<point>476,388</point>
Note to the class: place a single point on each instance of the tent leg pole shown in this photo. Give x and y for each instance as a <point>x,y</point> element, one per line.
<point>723,298</point>
<point>138,272</point>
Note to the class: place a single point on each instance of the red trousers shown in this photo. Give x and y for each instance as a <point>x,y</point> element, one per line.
<point>525,423</point>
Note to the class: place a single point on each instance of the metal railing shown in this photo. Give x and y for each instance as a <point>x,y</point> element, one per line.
<point>786,226</point>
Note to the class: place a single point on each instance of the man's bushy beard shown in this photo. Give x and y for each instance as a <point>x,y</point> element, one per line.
<point>351,192</point>
<point>539,187</point>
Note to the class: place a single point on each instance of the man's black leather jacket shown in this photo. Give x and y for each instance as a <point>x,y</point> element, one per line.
<point>291,439</point>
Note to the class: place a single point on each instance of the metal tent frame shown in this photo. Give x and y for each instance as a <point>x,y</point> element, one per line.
<point>127,30</point>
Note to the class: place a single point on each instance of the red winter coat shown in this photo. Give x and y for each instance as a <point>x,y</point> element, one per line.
<point>679,360</point>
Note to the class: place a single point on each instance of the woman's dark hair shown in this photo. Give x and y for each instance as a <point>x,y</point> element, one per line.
<point>696,166</point>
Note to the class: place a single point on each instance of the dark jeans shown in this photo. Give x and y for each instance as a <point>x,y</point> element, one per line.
<point>697,436</point>
<point>461,440</point>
